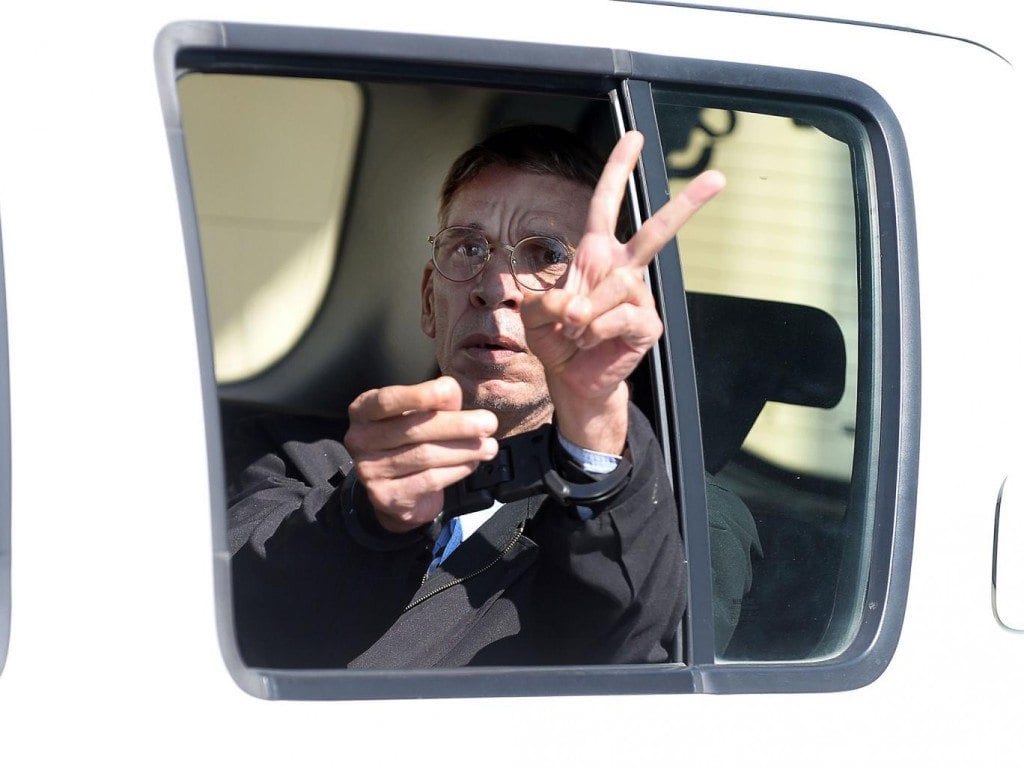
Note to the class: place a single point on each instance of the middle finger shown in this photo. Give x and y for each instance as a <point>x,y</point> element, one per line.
<point>409,459</point>
<point>420,427</point>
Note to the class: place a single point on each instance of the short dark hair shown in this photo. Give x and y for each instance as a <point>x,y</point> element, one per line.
<point>542,149</point>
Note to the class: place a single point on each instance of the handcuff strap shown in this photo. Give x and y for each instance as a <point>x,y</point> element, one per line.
<point>526,465</point>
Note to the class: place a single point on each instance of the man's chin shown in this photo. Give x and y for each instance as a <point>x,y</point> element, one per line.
<point>504,397</point>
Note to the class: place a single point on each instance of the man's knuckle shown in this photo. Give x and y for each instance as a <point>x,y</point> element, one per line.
<point>361,402</point>
<point>428,480</point>
<point>386,399</point>
<point>419,455</point>
<point>434,479</point>
<point>364,473</point>
<point>376,468</point>
<point>414,433</point>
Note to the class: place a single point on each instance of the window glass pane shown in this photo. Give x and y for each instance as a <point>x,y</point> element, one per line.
<point>271,162</point>
<point>771,268</point>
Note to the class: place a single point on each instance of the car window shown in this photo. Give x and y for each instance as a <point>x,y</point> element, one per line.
<point>786,491</point>
<point>772,273</point>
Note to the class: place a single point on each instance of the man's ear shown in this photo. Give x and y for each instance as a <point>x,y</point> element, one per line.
<point>427,301</point>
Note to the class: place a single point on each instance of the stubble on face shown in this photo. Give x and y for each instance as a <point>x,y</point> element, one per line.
<point>485,352</point>
<point>518,411</point>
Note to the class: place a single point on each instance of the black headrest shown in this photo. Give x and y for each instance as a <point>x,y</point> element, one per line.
<point>748,352</point>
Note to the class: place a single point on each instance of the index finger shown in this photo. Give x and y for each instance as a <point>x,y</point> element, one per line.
<point>441,394</point>
<point>611,187</point>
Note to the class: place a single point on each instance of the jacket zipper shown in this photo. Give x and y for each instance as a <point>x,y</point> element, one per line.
<point>461,579</point>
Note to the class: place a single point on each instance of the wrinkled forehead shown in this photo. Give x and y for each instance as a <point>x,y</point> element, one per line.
<point>501,200</point>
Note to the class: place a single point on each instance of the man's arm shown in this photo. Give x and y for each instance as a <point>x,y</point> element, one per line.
<point>622,572</point>
<point>612,587</point>
<point>315,580</point>
<point>277,467</point>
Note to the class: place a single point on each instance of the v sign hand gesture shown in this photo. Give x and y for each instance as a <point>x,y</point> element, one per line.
<point>591,333</point>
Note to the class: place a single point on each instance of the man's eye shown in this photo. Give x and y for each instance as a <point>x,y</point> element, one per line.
<point>543,255</point>
<point>471,251</point>
<point>554,256</point>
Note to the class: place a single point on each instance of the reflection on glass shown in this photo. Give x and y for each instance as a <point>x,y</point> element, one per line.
<point>784,238</point>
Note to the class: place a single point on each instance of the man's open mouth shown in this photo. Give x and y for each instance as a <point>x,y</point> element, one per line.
<point>480,343</point>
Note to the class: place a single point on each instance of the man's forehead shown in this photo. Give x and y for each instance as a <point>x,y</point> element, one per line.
<point>541,199</point>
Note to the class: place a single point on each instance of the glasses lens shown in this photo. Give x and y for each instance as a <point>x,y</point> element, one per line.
<point>540,262</point>
<point>460,253</point>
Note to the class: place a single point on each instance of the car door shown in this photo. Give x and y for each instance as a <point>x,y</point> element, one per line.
<point>854,154</point>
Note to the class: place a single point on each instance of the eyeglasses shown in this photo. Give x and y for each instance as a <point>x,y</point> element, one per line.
<point>537,262</point>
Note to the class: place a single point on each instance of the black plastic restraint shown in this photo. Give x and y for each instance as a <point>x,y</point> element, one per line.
<point>525,466</point>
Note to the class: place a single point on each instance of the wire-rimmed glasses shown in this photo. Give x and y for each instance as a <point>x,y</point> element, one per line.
<point>537,262</point>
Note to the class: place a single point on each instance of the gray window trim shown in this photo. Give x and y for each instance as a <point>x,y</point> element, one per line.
<point>211,46</point>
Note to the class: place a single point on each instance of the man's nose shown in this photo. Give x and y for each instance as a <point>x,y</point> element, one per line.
<point>495,286</point>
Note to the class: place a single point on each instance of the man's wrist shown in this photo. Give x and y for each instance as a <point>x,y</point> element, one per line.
<point>582,466</point>
<point>598,424</point>
<point>362,520</point>
<point>591,462</point>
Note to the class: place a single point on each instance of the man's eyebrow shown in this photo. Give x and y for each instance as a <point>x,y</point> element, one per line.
<point>546,232</point>
<point>527,230</point>
<point>532,230</point>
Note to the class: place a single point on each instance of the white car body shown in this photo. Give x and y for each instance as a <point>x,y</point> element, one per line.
<point>113,653</point>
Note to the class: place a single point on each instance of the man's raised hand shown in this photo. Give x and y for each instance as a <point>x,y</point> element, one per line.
<point>591,333</point>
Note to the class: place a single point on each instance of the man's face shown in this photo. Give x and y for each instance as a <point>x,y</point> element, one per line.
<point>476,326</point>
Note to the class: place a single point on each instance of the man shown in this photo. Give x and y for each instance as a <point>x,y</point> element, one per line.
<point>538,314</point>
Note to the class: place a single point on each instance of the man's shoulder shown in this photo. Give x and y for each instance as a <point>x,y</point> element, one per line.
<point>312,443</point>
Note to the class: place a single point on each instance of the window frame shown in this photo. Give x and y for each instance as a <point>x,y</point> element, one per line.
<point>5,475</point>
<point>889,352</point>
<point>227,47</point>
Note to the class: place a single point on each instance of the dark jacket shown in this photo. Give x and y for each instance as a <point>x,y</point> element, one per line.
<point>318,583</point>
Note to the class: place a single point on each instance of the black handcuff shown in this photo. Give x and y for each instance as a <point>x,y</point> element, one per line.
<point>526,465</point>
